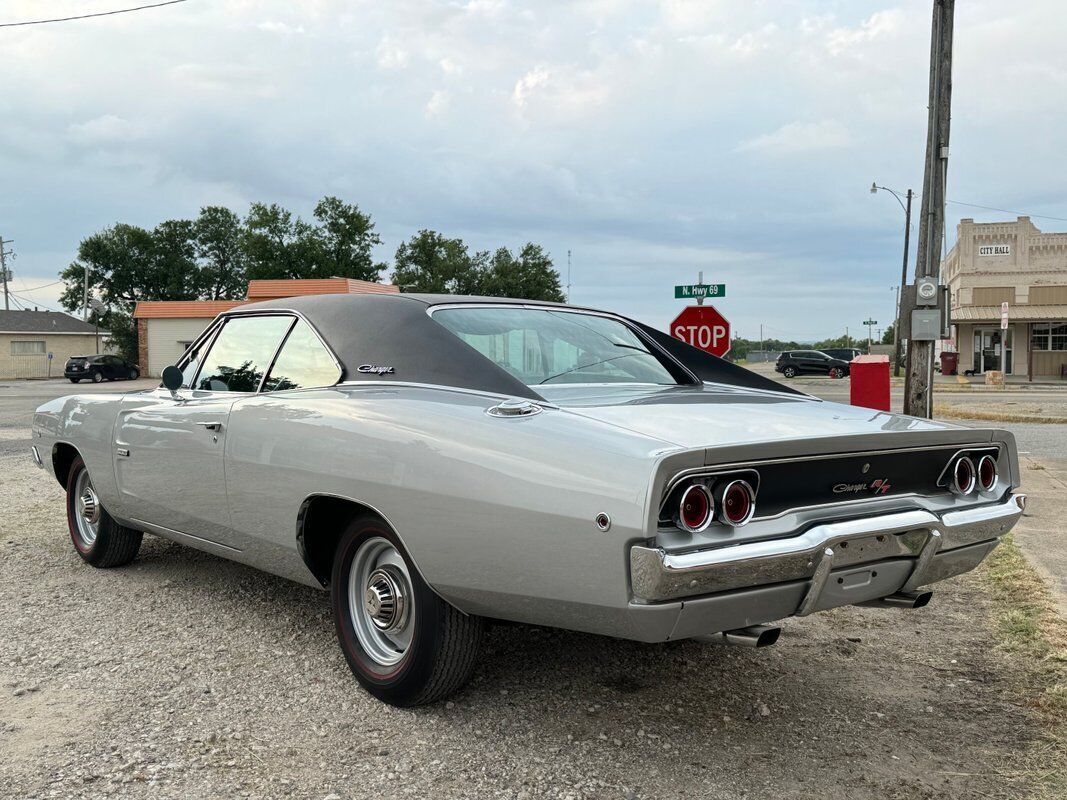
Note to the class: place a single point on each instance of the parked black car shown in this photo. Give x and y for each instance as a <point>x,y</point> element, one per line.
<point>98,368</point>
<point>843,353</point>
<point>798,362</point>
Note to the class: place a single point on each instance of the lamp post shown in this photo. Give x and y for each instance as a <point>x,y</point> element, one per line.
<point>897,343</point>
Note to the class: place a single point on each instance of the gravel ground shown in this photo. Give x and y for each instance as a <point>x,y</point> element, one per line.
<point>184,675</point>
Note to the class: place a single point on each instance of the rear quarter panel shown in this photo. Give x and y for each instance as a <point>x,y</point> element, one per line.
<point>498,514</point>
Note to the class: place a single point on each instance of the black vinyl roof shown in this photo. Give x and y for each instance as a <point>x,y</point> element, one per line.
<point>395,330</point>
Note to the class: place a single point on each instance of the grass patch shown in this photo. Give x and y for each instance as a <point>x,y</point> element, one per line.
<point>1035,637</point>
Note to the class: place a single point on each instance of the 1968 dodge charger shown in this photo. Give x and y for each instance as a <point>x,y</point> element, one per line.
<point>436,461</point>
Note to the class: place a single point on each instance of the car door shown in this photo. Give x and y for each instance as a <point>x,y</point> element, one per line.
<point>169,447</point>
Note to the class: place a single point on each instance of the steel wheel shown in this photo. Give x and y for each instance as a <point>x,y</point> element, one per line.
<point>97,377</point>
<point>381,601</point>
<point>87,510</point>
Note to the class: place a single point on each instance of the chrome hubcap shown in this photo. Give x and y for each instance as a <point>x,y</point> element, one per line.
<point>380,600</point>
<point>87,508</point>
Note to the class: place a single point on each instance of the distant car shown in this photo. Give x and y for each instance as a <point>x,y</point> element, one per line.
<point>810,362</point>
<point>99,368</point>
<point>843,353</point>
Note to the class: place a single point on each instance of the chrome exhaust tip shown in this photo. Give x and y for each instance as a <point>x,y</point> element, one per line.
<point>753,636</point>
<point>901,600</point>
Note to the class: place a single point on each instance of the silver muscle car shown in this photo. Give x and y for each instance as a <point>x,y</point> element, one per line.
<point>437,461</point>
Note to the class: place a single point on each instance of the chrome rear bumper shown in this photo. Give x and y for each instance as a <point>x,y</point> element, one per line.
<point>657,575</point>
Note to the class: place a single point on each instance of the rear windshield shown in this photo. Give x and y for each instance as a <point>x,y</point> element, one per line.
<point>544,346</point>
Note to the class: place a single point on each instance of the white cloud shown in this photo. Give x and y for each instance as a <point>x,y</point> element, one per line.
<point>634,133</point>
<point>528,84</point>
<point>104,129</point>
<point>271,26</point>
<point>390,55</point>
<point>437,104</point>
<point>799,137</point>
<point>879,25</point>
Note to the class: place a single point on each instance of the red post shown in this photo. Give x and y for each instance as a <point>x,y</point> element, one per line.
<point>870,382</point>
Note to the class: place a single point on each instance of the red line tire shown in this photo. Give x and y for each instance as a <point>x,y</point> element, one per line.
<point>440,643</point>
<point>109,544</point>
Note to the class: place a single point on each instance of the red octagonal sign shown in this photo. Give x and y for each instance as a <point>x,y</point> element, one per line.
<point>703,327</point>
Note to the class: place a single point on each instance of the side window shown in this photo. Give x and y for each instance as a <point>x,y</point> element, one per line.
<point>241,354</point>
<point>303,363</point>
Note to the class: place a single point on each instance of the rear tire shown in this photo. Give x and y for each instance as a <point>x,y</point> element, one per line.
<point>75,380</point>
<point>97,377</point>
<point>99,540</point>
<point>405,645</point>
<point>790,372</point>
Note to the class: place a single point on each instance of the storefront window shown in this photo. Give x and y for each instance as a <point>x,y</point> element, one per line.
<point>1039,336</point>
<point>1059,337</point>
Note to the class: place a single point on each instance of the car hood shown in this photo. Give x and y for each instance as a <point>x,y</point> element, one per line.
<point>715,415</point>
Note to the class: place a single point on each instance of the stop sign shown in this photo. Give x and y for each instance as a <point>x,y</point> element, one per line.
<point>703,327</point>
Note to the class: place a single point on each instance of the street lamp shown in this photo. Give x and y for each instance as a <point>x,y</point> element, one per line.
<point>903,270</point>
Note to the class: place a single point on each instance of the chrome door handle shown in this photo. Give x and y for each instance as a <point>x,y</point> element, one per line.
<point>211,426</point>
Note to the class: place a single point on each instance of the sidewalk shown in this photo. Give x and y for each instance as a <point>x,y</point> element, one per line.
<point>1040,533</point>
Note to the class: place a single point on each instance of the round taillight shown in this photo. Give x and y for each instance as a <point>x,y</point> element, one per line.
<point>737,503</point>
<point>987,473</point>
<point>695,508</point>
<point>963,476</point>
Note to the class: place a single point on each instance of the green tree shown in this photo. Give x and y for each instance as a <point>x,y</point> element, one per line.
<point>275,243</point>
<point>430,263</point>
<point>887,334</point>
<point>341,245</point>
<point>220,247</point>
<point>126,264</point>
<point>529,276</point>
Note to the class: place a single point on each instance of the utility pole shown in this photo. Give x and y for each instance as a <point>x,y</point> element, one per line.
<point>898,342</point>
<point>918,385</point>
<point>3,270</point>
<point>85,295</point>
<point>568,276</point>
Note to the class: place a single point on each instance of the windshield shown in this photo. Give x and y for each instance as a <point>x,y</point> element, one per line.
<point>543,346</point>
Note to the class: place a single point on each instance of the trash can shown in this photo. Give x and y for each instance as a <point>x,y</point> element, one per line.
<point>870,382</point>
<point>949,362</point>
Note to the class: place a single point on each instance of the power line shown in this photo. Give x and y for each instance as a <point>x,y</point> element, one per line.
<point>28,301</point>
<point>87,16</point>
<point>1006,211</point>
<point>24,290</point>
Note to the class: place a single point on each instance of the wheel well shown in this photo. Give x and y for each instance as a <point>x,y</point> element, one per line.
<point>319,525</point>
<point>63,456</point>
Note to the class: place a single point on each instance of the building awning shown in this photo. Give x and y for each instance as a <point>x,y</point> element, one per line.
<point>183,309</point>
<point>277,289</point>
<point>1016,313</point>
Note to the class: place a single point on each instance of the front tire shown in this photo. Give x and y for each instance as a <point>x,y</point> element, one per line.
<point>134,375</point>
<point>99,540</point>
<point>790,372</point>
<point>836,372</point>
<point>405,645</point>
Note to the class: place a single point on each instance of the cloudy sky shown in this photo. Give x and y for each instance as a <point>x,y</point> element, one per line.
<point>652,139</point>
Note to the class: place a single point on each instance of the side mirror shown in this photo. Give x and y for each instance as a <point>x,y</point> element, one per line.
<point>172,378</point>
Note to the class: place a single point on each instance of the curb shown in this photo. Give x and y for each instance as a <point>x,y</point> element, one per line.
<point>955,412</point>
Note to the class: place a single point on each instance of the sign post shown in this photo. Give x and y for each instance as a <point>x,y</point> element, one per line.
<point>1003,316</point>
<point>703,327</point>
<point>870,323</point>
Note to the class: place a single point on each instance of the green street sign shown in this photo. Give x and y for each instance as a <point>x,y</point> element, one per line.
<point>870,322</point>
<point>700,290</point>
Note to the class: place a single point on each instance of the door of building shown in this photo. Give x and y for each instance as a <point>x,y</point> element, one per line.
<point>992,350</point>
